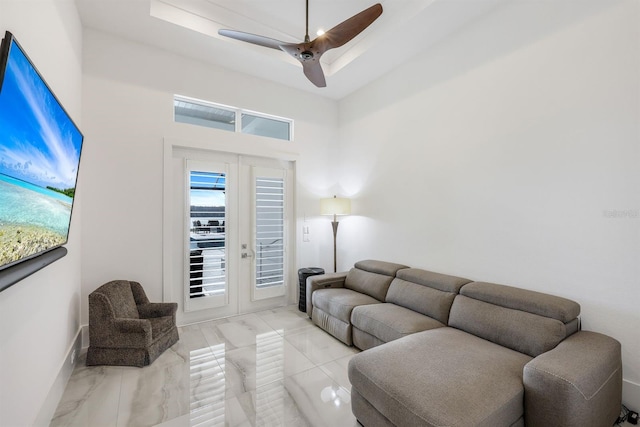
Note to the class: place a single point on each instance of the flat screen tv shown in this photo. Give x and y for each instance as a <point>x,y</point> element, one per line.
<point>40,149</point>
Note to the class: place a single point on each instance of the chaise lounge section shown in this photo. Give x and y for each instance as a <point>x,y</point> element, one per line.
<point>445,351</point>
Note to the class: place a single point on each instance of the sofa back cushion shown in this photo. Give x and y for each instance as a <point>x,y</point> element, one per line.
<point>372,278</point>
<point>120,296</point>
<point>526,321</point>
<point>425,292</point>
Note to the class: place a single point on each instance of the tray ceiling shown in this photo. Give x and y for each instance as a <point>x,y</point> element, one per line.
<point>190,28</point>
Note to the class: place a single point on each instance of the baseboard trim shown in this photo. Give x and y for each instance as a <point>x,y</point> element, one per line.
<point>85,336</point>
<point>631,395</point>
<point>50,404</point>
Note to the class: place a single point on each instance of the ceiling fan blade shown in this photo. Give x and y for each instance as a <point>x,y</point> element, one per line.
<point>347,30</point>
<point>314,73</point>
<point>309,57</point>
<point>252,38</point>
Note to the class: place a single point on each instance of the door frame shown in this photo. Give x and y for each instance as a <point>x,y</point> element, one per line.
<point>279,150</point>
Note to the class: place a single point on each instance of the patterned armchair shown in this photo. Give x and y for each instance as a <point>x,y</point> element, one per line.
<point>125,328</point>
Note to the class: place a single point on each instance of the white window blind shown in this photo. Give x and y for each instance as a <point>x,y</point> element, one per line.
<point>269,231</point>
<point>207,237</point>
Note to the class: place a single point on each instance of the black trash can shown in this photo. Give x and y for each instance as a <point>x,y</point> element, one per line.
<point>303,273</point>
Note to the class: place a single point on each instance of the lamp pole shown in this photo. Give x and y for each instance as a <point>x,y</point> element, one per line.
<point>335,206</point>
<point>334,224</point>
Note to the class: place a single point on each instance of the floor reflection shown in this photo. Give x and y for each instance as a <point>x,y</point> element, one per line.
<point>272,369</point>
<point>336,395</point>
<point>207,387</point>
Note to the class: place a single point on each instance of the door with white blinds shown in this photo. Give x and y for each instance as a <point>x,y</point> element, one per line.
<point>236,235</point>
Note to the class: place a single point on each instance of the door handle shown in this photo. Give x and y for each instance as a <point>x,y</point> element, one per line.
<point>244,254</point>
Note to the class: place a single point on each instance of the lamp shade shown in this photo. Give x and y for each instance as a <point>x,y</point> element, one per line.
<point>335,206</point>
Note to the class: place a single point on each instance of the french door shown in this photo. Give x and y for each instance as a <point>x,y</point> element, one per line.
<point>235,234</point>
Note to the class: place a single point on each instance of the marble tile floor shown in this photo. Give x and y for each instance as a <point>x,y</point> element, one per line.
<point>269,369</point>
<point>272,368</point>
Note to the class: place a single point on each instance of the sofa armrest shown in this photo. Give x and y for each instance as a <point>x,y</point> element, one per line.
<point>321,281</point>
<point>578,383</point>
<point>157,309</point>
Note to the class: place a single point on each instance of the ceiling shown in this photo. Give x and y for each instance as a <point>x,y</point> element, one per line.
<point>190,28</point>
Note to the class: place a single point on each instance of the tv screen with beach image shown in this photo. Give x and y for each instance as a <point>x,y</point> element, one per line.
<point>39,156</point>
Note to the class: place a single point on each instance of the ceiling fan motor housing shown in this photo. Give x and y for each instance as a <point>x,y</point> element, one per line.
<point>306,55</point>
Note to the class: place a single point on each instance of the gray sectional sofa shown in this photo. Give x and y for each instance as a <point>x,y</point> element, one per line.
<point>442,350</point>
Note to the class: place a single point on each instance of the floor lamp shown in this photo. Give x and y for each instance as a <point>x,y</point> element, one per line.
<point>335,206</point>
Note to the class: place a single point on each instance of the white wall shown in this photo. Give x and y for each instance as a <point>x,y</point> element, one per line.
<point>128,110</point>
<point>40,315</point>
<point>502,154</point>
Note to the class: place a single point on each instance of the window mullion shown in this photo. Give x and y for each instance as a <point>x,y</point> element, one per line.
<point>238,120</point>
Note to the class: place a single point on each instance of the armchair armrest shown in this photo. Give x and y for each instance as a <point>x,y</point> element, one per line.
<point>157,309</point>
<point>132,325</point>
<point>321,281</point>
<point>132,333</point>
<point>578,383</point>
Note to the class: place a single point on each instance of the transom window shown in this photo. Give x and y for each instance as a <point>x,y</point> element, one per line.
<point>203,113</point>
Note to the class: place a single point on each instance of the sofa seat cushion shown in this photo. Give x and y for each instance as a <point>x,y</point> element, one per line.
<point>388,322</point>
<point>339,302</point>
<point>441,377</point>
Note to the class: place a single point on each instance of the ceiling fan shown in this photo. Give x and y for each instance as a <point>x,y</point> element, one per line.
<point>310,51</point>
